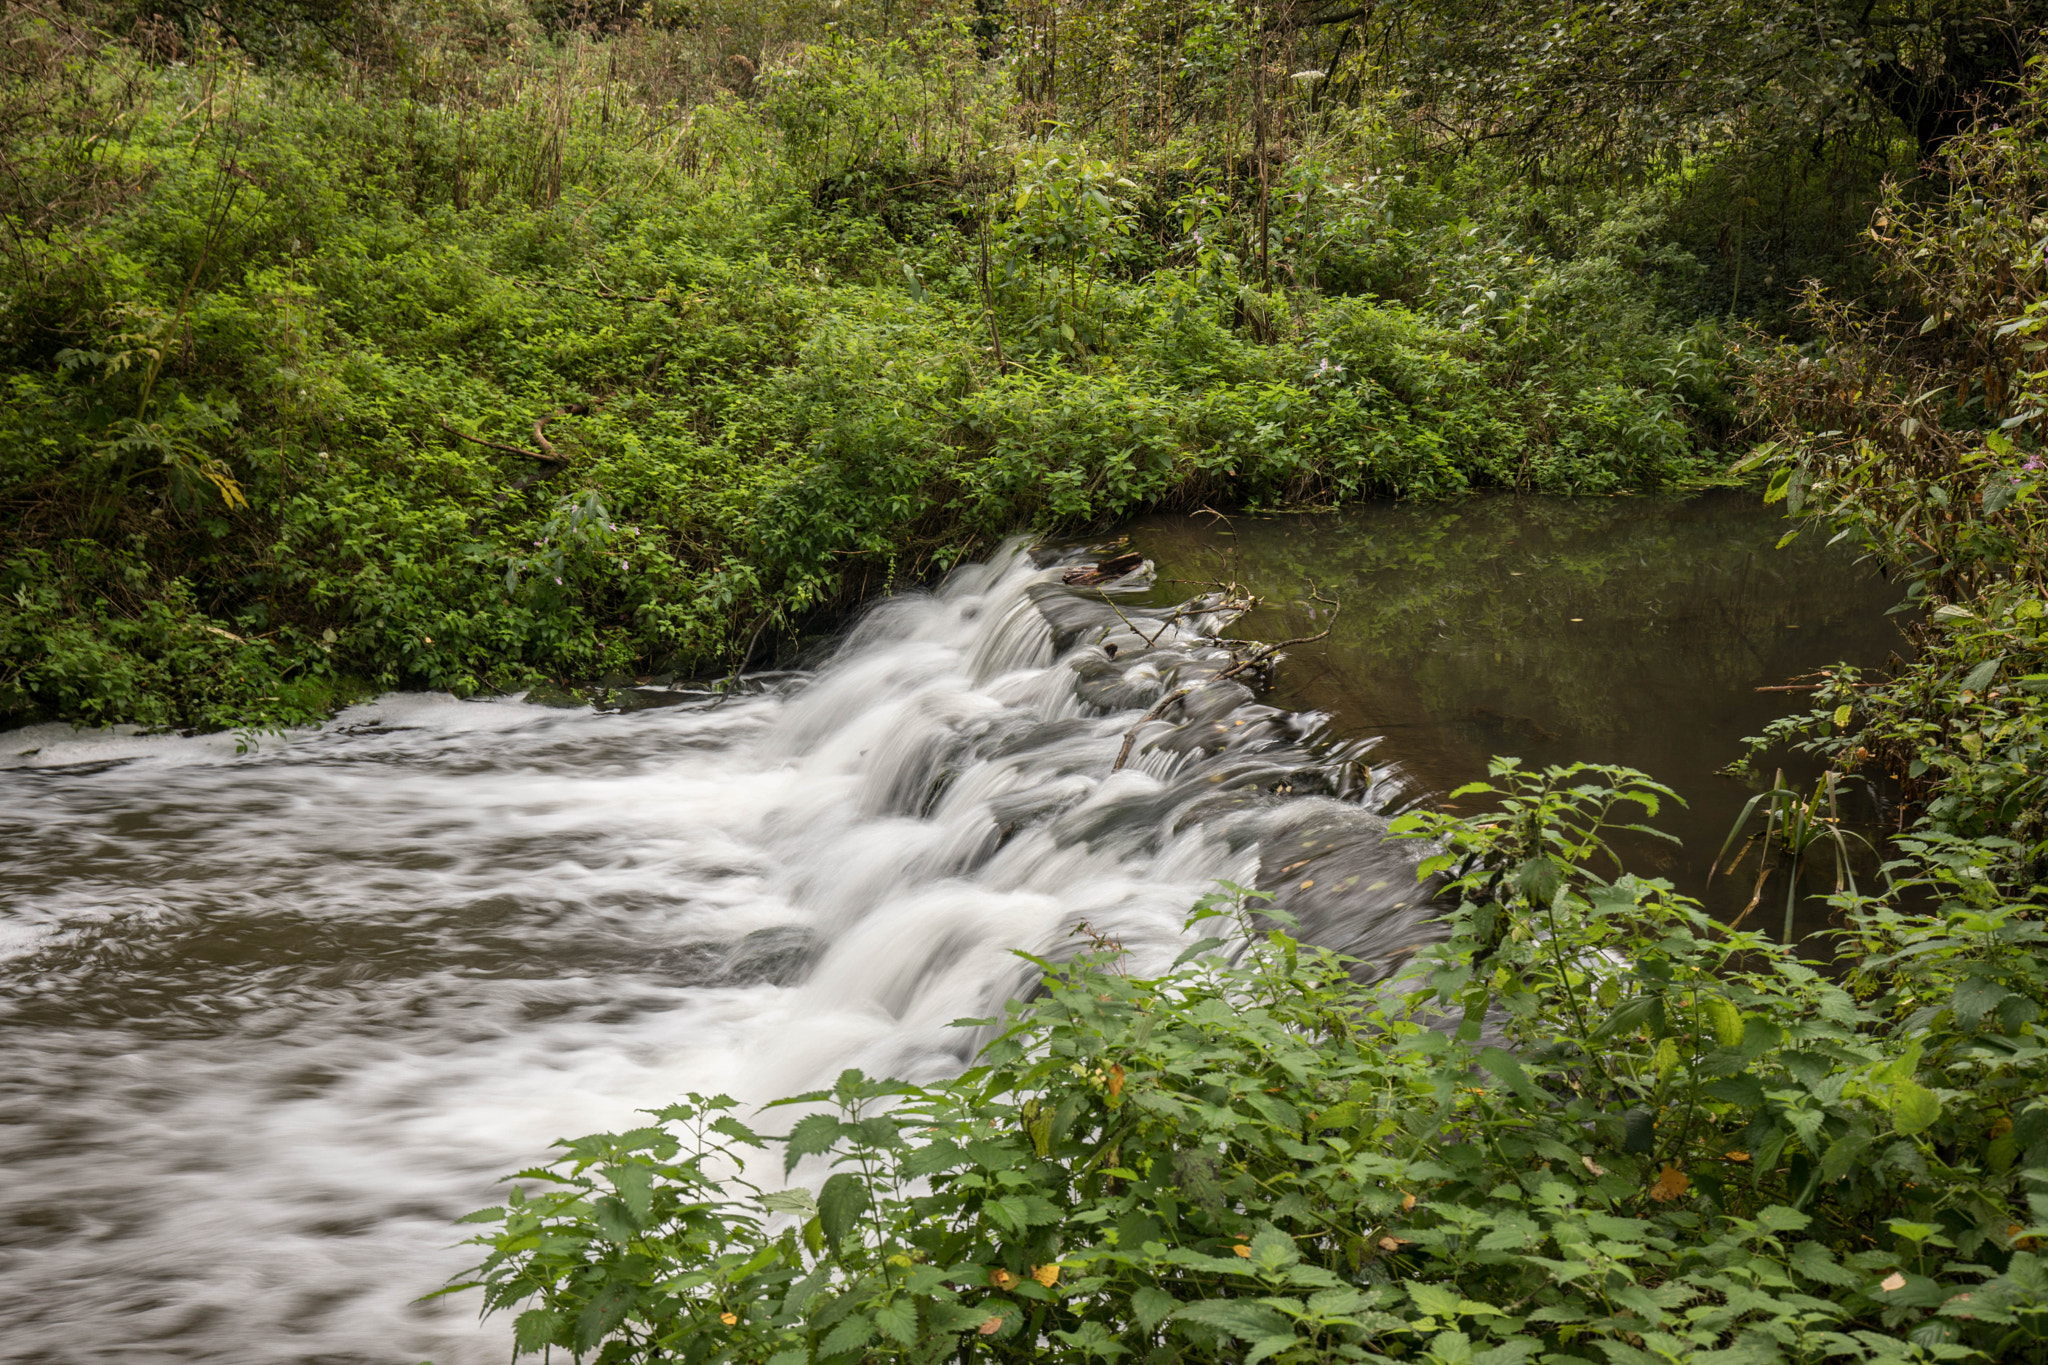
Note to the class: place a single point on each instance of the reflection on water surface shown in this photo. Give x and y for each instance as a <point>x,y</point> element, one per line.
<point>1613,630</point>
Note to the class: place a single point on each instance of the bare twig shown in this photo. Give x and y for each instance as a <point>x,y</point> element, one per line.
<point>1810,687</point>
<point>1153,712</point>
<point>1263,654</point>
<point>605,291</point>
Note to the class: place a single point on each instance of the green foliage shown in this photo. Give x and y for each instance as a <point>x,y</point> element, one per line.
<point>1592,1125</point>
<point>489,357</point>
<point>1635,79</point>
<point>1921,435</point>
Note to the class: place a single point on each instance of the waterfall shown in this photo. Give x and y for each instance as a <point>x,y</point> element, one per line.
<point>270,1021</point>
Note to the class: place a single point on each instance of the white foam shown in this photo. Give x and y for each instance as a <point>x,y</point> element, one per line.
<point>278,1017</point>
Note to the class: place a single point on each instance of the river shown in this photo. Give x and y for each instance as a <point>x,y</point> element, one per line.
<point>271,1021</point>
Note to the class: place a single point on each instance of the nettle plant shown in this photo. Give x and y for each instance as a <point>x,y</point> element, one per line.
<point>1068,224</point>
<point>1591,1125</point>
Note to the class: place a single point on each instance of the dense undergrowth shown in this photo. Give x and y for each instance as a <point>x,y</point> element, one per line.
<point>1918,432</point>
<point>799,325</point>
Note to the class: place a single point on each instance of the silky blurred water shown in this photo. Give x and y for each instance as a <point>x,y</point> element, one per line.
<point>270,1022</point>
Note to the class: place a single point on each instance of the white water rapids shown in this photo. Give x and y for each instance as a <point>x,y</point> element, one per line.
<point>269,1022</point>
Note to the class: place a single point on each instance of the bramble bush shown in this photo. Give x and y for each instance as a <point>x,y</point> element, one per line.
<point>1591,1125</point>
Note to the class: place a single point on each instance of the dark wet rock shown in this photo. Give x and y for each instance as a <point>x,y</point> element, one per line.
<point>776,956</point>
<point>651,698</point>
<point>1332,868</point>
<point>547,694</point>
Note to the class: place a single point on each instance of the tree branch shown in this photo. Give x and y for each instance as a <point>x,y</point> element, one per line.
<point>546,453</point>
<point>1258,656</point>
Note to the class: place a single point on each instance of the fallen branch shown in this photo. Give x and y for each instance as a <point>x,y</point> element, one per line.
<point>1263,654</point>
<point>546,453</point>
<point>1157,709</point>
<point>601,292</point>
<point>605,291</point>
<point>1810,687</point>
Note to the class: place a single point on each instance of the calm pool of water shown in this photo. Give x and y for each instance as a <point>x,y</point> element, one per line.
<point>1625,630</point>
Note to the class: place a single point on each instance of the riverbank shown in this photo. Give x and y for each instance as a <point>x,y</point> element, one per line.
<point>538,354</point>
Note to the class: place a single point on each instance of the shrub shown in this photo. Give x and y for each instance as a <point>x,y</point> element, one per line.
<point>1920,434</point>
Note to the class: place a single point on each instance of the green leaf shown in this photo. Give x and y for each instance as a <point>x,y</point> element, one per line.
<point>1976,997</point>
<point>812,1136</point>
<point>1510,1352</point>
<point>1153,1306</point>
<point>536,1329</point>
<point>607,1309</point>
<point>737,1131</point>
<point>850,1335</point>
<point>840,1204</point>
<point>1914,1107</point>
<point>1436,1300</point>
<point>1510,1072</point>
<point>635,1184</point>
<point>1633,1014</point>
<point>614,1219</point>
<point>1196,949</point>
<point>948,1318</point>
<point>1272,1250</point>
<point>1982,675</point>
<point>1816,1262</point>
<point>897,1320</point>
<point>1725,1019</point>
<point>1268,1346</point>
<point>1245,1321</point>
<point>1539,879</point>
<point>1639,1133</point>
<point>790,1201</point>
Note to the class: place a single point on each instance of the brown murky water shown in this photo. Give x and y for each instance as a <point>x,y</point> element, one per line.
<point>1616,630</point>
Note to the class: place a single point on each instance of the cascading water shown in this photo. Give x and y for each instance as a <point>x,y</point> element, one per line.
<point>270,1022</point>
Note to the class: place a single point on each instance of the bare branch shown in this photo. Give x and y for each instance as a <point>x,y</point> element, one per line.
<point>1263,654</point>
<point>549,457</point>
